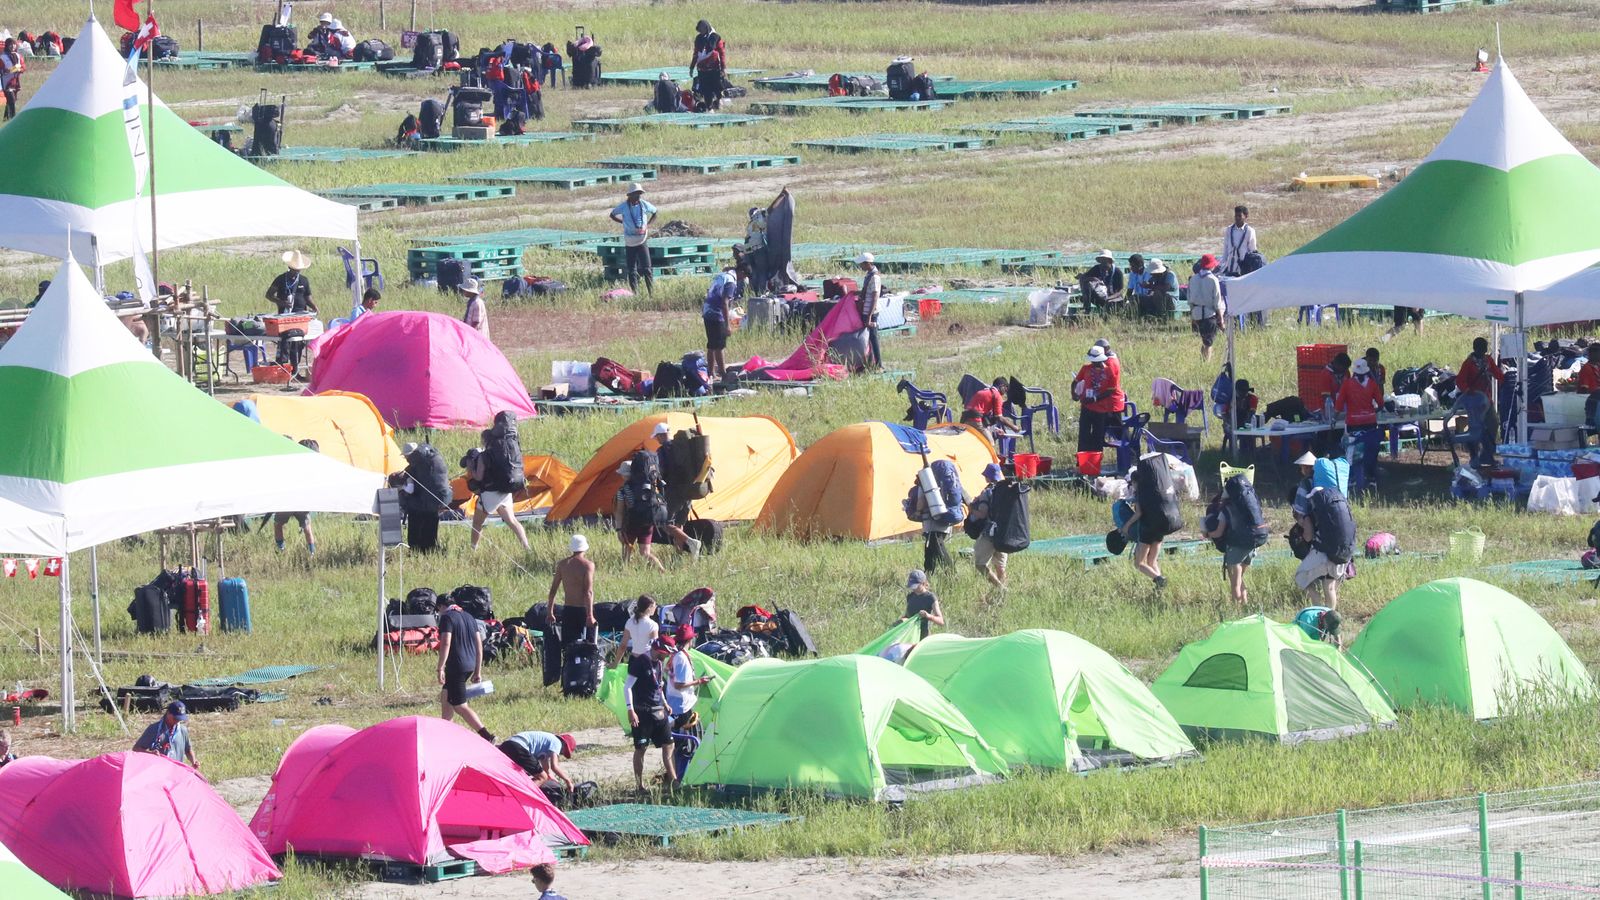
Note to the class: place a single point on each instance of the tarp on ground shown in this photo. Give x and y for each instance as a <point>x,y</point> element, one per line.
<point>116,444</point>
<point>1503,204</point>
<point>748,454</point>
<point>18,882</point>
<point>345,425</point>
<point>126,825</point>
<point>850,483</point>
<point>1463,643</point>
<point>421,370</point>
<point>416,789</point>
<point>849,726</point>
<point>811,360</point>
<point>547,478</point>
<point>1049,699</point>
<point>69,166</point>
<point>1257,677</point>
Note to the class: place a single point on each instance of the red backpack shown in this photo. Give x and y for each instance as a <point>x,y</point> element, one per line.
<point>617,377</point>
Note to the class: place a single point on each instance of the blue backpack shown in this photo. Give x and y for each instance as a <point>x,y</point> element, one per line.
<point>948,478</point>
<point>696,377</point>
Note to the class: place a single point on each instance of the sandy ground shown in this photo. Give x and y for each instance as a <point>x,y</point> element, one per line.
<point>1161,872</point>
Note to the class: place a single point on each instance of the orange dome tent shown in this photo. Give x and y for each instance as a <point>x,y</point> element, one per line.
<point>748,454</point>
<point>850,483</point>
<point>345,425</point>
<point>547,478</point>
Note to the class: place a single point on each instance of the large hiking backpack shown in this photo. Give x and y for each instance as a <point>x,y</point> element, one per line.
<point>689,465</point>
<point>1247,527</point>
<point>643,505</point>
<point>1157,496</point>
<point>432,481</point>
<point>948,478</point>
<point>151,612</point>
<point>580,676</point>
<point>666,98</point>
<point>266,129</point>
<point>900,74</point>
<point>277,42</point>
<point>707,531</point>
<point>617,377</point>
<point>373,50</point>
<point>1594,536</point>
<point>430,120</point>
<point>796,637</point>
<point>502,457</point>
<point>1334,528</point>
<point>668,381</point>
<point>1008,509</point>
<point>421,602</point>
<point>696,375</point>
<point>474,601</point>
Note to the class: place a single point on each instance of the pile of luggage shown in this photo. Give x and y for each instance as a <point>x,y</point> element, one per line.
<point>148,695</point>
<point>761,634</point>
<point>181,597</point>
<point>689,377</point>
<point>412,625</point>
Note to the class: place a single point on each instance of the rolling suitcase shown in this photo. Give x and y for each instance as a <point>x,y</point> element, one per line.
<point>583,671</point>
<point>235,600</point>
<point>151,612</point>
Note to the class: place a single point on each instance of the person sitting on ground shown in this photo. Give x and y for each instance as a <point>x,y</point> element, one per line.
<point>1136,280</point>
<point>714,314</point>
<point>290,291</point>
<point>921,604</point>
<point>1098,387</point>
<point>1359,401</point>
<point>635,538</point>
<point>8,752</point>
<point>538,753</point>
<point>168,736</point>
<point>43,286</point>
<point>1104,283</point>
<point>1161,292</point>
<point>544,877</point>
<point>645,694</point>
<point>574,576</point>
<point>682,685</point>
<point>319,40</point>
<point>304,518</point>
<point>369,303</point>
<point>697,608</point>
<point>1206,306</point>
<point>492,499</point>
<point>460,660</point>
<point>990,562</point>
<point>707,65</point>
<point>476,315</point>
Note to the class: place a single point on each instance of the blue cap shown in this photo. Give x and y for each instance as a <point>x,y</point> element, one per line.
<point>178,711</point>
<point>992,473</point>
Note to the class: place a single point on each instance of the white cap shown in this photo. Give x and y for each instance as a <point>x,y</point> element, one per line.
<point>1157,267</point>
<point>325,17</point>
<point>661,429</point>
<point>471,286</point>
<point>1105,254</point>
<point>626,469</point>
<point>1097,353</point>
<point>1306,459</point>
<point>864,258</point>
<point>579,544</point>
<point>337,25</point>
<point>635,187</point>
<point>1360,367</point>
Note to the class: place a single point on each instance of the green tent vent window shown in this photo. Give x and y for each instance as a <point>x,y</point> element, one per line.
<point>1223,672</point>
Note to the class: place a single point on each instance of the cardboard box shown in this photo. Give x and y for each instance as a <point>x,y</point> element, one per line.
<point>556,391</point>
<point>1554,437</point>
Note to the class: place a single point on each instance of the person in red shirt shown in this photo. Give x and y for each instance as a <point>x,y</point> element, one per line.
<point>986,409</point>
<point>706,65</point>
<point>1359,399</point>
<point>1589,382</point>
<point>1099,388</point>
<point>1477,370</point>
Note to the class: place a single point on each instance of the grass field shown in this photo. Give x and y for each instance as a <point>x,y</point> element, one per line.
<point>1372,93</point>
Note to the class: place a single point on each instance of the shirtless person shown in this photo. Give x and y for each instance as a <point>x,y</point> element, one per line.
<point>575,579</point>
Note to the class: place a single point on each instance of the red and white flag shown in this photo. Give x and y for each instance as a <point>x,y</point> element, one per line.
<point>9,567</point>
<point>126,17</point>
<point>52,567</point>
<point>32,566</point>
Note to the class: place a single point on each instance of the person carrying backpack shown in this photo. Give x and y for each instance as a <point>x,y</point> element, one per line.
<point>1329,527</point>
<point>991,563</point>
<point>936,526</point>
<point>424,490</point>
<point>637,510</point>
<point>1156,513</point>
<point>1236,525</point>
<point>498,469</point>
<point>707,65</point>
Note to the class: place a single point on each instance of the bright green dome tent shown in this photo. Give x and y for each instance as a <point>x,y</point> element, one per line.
<point>852,726</point>
<point>1470,645</point>
<point>1254,677</point>
<point>1049,698</point>
<point>18,882</point>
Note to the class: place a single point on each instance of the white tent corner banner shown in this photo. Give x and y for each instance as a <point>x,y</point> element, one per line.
<point>68,166</point>
<point>1503,205</point>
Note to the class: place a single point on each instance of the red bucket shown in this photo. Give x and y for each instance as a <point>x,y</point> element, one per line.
<point>1089,462</point>
<point>928,307</point>
<point>1046,463</point>
<point>1026,465</point>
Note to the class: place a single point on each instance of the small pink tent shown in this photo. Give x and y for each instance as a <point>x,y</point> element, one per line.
<point>421,370</point>
<point>127,825</point>
<point>414,789</point>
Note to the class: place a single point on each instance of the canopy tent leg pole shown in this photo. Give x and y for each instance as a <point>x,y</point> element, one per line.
<point>69,714</point>
<point>1524,371</point>
<point>357,287</point>
<point>1230,445</point>
<point>383,625</point>
<point>94,594</point>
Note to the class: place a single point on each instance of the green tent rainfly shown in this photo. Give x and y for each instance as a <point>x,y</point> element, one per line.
<point>612,683</point>
<point>1257,677</point>
<point>1050,699</point>
<point>18,882</point>
<point>852,726</point>
<point>1470,645</point>
<point>68,166</point>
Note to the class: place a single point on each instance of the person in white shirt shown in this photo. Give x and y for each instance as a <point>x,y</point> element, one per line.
<point>1240,255</point>
<point>1205,303</point>
<point>477,314</point>
<point>640,631</point>
<point>682,685</point>
<point>635,215</point>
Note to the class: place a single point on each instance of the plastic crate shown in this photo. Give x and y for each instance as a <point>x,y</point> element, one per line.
<point>1314,355</point>
<point>277,325</point>
<point>1313,383</point>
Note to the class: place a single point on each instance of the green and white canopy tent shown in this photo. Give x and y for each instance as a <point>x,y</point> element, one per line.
<point>108,442</point>
<point>18,882</point>
<point>1502,206</point>
<point>69,166</point>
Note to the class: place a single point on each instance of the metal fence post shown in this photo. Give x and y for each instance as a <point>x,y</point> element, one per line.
<point>1344,869</point>
<point>1516,870</point>
<point>1358,869</point>
<point>1205,877</point>
<point>1483,845</point>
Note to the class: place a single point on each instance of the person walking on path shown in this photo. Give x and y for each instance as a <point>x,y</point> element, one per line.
<point>867,304</point>
<point>635,215</point>
<point>460,661</point>
<point>574,578</point>
<point>168,736</point>
<point>1206,307</point>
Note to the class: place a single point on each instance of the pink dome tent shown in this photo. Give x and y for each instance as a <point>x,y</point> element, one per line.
<point>415,789</point>
<point>421,370</point>
<point>127,825</point>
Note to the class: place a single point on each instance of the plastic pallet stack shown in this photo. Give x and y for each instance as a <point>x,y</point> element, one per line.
<point>479,260</point>
<point>1315,381</point>
<point>668,256</point>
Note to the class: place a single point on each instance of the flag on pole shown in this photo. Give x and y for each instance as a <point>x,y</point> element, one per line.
<point>52,567</point>
<point>126,17</point>
<point>133,124</point>
<point>32,566</point>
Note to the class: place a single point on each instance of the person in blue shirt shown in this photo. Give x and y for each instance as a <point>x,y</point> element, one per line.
<point>537,753</point>
<point>169,736</point>
<point>544,875</point>
<point>635,215</point>
<point>714,312</point>
<point>369,303</point>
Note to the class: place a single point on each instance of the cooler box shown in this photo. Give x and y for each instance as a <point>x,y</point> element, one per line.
<point>279,324</point>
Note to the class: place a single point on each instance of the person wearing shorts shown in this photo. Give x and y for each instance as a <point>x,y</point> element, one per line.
<point>304,518</point>
<point>1402,315</point>
<point>634,540</point>
<point>714,313</point>
<point>460,661</point>
<point>492,502</point>
<point>991,563</point>
<point>647,712</point>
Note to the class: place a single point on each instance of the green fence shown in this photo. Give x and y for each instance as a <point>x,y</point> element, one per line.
<point>1537,844</point>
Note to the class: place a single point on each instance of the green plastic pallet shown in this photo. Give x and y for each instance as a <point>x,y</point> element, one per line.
<point>896,143</point>
<point>676,73</point>
<point>851,104</point>
<point>368,204</point>
<point>1247,111</point>
<point>1061,264</point>
<point>834,252</point>
<point>948,257</point>
<point>450,144</point>
<point>1065,132</point>
<point>201,59</point>
<point>263,675</point>
<point>960,296</point>
<point>613,403</point>
<point>817,82</point>
<point>525,238</point>
<point>999,89</point>
<point>1187,115</point>
<point>702,165</point>
<point>1551,571</point>
<point>663,823</point>
<point>426,193</point>
<point>345,66</point>
<point>332,154</point>
<point>569,178</point>
<point>683,120</point>
<point>410,873</point>
<point>1127,123</point>
<point>211,129</point>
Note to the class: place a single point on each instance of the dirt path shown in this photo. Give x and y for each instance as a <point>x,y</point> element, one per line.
<point>1161,872</point>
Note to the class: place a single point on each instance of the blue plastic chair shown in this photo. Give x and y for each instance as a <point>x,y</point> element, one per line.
<point>926,406</point>
<point>251,350</point>
<point>370,273</point>
<point>1154,444</point>
<point>1123,436</point>
<point>1046,406</point>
